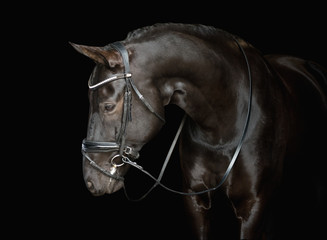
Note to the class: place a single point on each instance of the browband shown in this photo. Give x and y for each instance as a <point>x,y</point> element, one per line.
<point>108,80</point>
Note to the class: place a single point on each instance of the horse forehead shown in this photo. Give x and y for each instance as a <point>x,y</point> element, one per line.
<point>111,89</point>
<point>99,73</point>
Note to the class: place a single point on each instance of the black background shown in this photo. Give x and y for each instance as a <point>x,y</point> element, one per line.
<point>48,197</point>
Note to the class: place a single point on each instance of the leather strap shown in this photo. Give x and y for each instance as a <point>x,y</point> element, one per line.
<point>123,52</point>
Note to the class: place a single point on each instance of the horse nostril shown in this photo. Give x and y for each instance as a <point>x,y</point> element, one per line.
<point>89,185</point>
<point>93,189</point>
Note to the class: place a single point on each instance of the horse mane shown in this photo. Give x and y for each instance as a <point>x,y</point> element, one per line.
<point>199,30</point>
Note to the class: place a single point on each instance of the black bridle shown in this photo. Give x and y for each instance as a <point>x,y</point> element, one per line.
<point>125,153</point>
<point>128,154</point>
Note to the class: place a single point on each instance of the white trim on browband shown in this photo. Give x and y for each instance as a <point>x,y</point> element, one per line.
<point>113,78</point>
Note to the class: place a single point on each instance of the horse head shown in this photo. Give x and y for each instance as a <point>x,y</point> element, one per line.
<point>121,120</point>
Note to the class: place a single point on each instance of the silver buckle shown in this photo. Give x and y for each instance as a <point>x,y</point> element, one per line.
<point>130,151</point>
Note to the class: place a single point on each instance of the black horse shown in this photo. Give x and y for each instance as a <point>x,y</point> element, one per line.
<point>253,135</point>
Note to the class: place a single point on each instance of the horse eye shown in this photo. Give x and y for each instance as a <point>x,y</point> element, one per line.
<point>109,107</point>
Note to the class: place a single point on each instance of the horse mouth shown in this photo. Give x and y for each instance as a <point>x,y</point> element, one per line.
<point>108,187</point>
<point>103,179</point>
<point>104,184</point>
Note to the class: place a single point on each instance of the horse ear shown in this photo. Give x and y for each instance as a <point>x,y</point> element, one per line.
<point>100,55</point>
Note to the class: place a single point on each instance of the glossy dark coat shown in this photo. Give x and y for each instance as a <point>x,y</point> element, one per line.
<point>202,70</point>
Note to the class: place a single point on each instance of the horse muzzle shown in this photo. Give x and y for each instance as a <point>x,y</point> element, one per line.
<point>111,178</point>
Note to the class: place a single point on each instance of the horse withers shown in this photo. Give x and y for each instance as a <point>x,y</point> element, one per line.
<point>253,135</point>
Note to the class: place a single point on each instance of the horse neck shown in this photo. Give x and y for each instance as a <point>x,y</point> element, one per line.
<point>207,84</point>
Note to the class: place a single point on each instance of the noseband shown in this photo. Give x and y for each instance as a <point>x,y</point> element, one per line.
<point>125,153</point>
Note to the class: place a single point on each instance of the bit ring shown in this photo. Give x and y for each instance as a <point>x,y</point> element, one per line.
<point>115,164</point>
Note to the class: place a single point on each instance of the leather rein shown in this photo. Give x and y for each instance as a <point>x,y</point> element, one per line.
<point>126,153</point>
